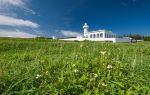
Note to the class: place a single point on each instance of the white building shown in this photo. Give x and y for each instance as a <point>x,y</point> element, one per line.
<point>99,35</point>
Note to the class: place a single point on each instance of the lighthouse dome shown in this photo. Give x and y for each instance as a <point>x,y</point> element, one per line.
<point>85,25</point>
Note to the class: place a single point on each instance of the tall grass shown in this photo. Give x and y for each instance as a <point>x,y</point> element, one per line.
<point>43,67</point>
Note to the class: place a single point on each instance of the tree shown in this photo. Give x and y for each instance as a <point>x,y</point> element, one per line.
<point>147,38</point>
<point>135,36</point>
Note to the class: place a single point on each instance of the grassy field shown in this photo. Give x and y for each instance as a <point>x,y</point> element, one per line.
<point>44,67</point>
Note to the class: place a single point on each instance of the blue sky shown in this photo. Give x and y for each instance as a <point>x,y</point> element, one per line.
<point>29,18</point>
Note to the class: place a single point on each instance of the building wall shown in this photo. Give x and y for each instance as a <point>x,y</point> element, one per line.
<point>122,40</point>
<point>101,35</point>
<point>114,40</point>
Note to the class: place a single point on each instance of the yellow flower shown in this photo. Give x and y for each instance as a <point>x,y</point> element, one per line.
<point>73,65</point>
<point>75,70</point>
<point>46,72</point>
<point>81,46</point>
<point>103,52</point>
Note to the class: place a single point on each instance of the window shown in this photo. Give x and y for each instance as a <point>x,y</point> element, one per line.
<point>94,36</point>
<point>91,36</point>
<point>98,36</point>
<point>101,35</point>
<point>107,36</point>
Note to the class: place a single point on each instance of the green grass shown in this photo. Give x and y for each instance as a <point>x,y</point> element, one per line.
<point>44,67</point>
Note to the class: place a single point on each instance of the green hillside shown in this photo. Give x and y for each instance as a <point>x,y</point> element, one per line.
<point>45,66</point>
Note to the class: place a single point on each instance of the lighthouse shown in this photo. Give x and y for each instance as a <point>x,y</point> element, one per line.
<point>85,27</point>
<point>98,35</point>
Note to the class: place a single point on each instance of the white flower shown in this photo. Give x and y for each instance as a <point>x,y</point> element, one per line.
<point>81,46</point>
<point>75,70</point>
<point>38,76</point>
<point>104,84</point>
<point>109,67</point>
<point>103,52</point>
<point>95,75</point>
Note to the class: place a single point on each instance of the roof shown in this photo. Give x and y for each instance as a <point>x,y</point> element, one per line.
<point>99,31</point>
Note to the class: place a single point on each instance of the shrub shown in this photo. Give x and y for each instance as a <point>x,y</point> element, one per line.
<point>147,38</point>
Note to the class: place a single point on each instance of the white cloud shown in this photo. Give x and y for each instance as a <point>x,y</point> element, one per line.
<point>6,3</point>
<point>70,33</point>
<point>10,4</point>
<point>11,21</point>
<point>9,17</point>
<point>15,34</point>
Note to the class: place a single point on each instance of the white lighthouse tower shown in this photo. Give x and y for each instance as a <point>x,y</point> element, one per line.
<point>85,27</point>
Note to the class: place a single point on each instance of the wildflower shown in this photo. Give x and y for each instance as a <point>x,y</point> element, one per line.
<point>38,76</point>
<point>109,67</point>
<point>81,46</point>
<point>109,53</point>
<point>103,52</point>
<point>73,65</point>
<point>118,61</point>
<point>76,55</point>
<point>46,72</point>
<point>95,75</point>
<point>75,70</point>
<point>104,84</point>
